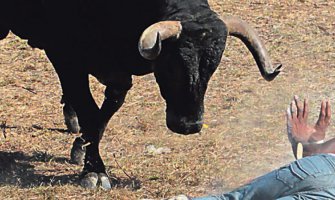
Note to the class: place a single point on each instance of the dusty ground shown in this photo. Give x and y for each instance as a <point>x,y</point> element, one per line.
<point>245,114</point>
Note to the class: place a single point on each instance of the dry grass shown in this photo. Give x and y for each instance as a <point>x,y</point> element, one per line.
<point>245,114</point>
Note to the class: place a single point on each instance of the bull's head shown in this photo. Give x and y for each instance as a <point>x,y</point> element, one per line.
<point>192,51</point>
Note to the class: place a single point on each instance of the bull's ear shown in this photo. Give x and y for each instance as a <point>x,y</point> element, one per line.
<point>150,45</point>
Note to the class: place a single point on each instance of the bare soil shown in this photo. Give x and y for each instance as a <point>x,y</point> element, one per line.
<point>245,114</point>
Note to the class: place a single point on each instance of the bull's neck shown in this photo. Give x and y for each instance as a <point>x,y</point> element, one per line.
<point>182,9</point>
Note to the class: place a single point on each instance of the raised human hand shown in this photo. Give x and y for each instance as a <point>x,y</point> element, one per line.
<point>298,128</point>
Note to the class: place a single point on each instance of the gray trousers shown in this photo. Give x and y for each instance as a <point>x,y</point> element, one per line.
<point>311,177</point>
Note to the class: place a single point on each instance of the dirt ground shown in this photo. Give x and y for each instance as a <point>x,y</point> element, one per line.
<point>245,114</point>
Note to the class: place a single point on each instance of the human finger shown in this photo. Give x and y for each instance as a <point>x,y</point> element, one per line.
<point>299,107</point>
<point>328,112</point>
<point>289,125</point>
<point>289,116</point>
<point>293,110</point>
<point>306,110</point>
<point>322,111</point>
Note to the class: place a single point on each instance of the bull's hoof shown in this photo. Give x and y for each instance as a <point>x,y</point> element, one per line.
<point>78,152</point>
<point>72,125</point>
<point>92,180</point>
<point>104,181</point>
<point>71,120</point>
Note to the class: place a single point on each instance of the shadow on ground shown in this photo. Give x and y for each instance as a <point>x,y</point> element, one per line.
<point>16,169</point>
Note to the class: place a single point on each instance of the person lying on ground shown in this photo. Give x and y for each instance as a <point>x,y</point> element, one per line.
<point>311,177</point>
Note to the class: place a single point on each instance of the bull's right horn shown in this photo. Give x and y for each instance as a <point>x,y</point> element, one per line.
<point>150,45</point>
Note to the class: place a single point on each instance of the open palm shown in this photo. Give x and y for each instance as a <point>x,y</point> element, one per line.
<point>297,126</point>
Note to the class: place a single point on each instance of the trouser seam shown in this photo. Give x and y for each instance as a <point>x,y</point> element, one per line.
<point>302,169</point>
<point>330,162</point>
<point>316,190</point>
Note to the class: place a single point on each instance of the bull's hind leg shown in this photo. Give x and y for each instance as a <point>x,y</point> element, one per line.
<point>71,121</point>
<point>70,117</point>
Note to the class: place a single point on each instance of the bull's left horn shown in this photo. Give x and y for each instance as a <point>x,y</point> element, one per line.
<point>240,29</point>
<point>150,45</point>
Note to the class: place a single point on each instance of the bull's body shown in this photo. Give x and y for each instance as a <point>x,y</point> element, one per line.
<point>100,37</point>
<point>99,34</point>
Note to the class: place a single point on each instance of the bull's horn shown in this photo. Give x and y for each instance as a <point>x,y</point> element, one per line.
<point>150,45</point>
<point>240,29</point>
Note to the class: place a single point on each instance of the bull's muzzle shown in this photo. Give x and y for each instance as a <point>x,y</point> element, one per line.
<point>182,124</point>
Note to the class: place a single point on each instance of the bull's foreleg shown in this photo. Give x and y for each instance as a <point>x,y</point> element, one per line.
<point>76,89</point>
<point>79,96</point>
<point>75,86</point>
<point>115,94</point>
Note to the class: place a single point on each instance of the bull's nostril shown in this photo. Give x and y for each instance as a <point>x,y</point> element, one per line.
<point>185,128</point>
<point>200,123</point>
<point>184,124</point>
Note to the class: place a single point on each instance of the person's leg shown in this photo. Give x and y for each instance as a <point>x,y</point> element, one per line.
<point>308,174</point>
<point>325,194</point>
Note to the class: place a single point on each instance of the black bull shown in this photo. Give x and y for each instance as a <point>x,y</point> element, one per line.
<point>180,41</point>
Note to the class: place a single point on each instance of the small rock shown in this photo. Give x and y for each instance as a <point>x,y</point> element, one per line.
<point>151,149</point>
